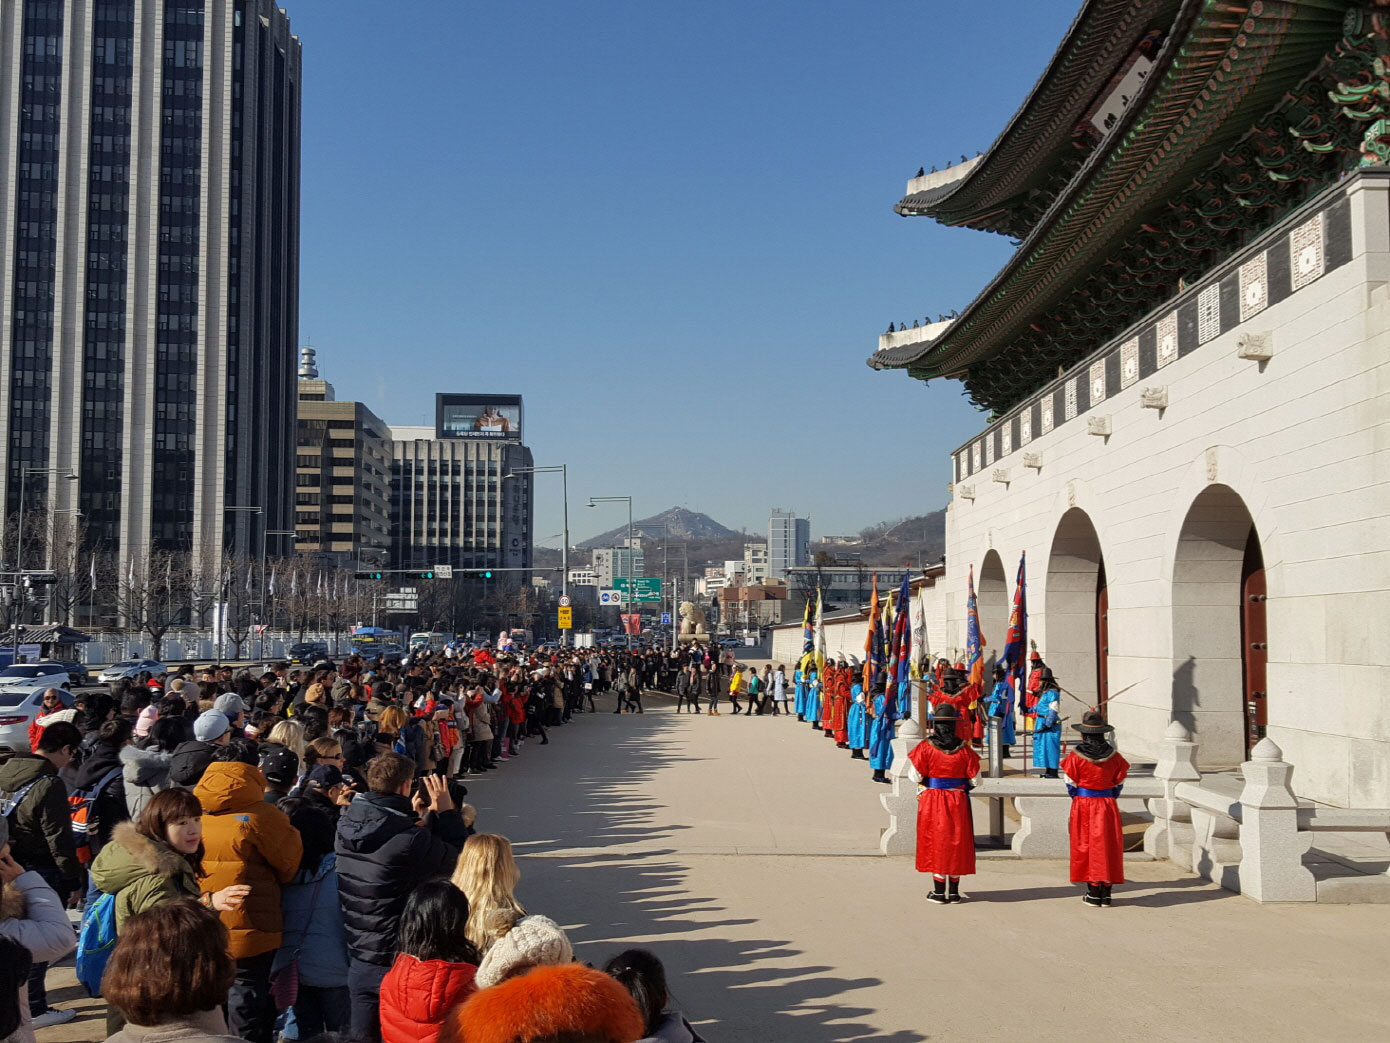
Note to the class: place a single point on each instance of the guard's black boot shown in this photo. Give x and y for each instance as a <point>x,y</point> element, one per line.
<point>953,891</point>
<point>1008,752</point>
<point>880,776</point>
<point>1105,894</point>
<point>1093,895</point>
<point>858,755</point>
<point>938,892</point>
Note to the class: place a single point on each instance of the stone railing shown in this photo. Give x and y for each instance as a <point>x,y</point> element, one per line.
<point>1248,833</point>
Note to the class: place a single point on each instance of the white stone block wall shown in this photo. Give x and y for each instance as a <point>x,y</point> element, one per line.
<point>1301,442</point>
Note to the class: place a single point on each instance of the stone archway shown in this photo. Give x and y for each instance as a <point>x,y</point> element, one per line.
<point>1216,555</point>
<point>1074,604</point>
<point>992,598</point>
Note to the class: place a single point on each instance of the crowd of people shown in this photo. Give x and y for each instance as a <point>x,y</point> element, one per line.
<point>288,855</point>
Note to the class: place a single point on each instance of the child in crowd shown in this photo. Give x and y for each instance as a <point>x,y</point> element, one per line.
<point>642,974</point>
<point>435,968</point>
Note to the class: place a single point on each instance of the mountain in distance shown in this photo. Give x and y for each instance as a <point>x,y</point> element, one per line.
<point>681,524</point>
<point>920,540</point>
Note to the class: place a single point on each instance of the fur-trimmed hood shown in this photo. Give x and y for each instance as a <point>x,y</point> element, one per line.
<point>131,855</point>
<point>12,904</point>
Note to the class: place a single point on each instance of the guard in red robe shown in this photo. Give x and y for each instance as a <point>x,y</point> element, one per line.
<point>954,692</point>
<point>827,703</point>
<point>1029,696</point>
<point>945,827</point>
<point>1095,771</point>
<point>839,711</point>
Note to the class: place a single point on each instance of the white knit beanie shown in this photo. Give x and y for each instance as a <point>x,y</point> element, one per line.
<point>533,941</point>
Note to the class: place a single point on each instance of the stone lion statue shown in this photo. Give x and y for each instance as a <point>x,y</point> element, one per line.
<point>692,620</point>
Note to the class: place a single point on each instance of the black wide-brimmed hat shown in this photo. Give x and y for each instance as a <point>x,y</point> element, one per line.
<point>946,712</point>
<point>1092,723</point>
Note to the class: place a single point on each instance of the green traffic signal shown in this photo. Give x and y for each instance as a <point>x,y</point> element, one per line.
<point>427,575</point>
<point>487,574</point>
<point>366,575</point>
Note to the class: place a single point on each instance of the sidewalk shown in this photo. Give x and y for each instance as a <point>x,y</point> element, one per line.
<point>742,851</point>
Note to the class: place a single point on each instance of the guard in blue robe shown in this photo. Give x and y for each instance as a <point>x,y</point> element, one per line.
<point>1047,729</point>
<point>858,721</point>
<point>881,733</point>
<point>799,683</point>
<point>813,697</point>
<point>1000,703</point>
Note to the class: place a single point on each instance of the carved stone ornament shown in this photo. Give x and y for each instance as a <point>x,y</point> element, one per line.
<point>1098,425</point>
<point>1033,460</point>
<point>1001,474</point>
<point>1257,347</point>
<point>1154,397</point>
<point>967,492</point>
<point>1211,465</point>
<point>1071,494</point>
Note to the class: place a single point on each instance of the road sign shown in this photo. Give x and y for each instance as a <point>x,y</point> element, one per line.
<point>564,601</point>
<point>566,618</point>
<point>666,619</point>
<point>646,590</point>
<point>400,603</point>
<point>443,572</point>
<point>610,597</point>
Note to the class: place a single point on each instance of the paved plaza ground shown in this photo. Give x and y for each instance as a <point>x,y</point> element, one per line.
<point>742,852</point>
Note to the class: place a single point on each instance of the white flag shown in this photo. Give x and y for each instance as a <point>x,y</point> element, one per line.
<point>294,582</point>
<point>271,587</point>
<point>130,574</point>
<point>92,572</point>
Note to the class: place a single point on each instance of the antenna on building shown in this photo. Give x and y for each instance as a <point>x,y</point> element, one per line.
<point>308,368</point>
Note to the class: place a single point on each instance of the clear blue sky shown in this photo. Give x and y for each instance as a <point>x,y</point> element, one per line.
<point>668,226</point>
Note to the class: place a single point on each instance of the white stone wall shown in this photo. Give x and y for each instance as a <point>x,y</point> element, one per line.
<point>1303,442</point>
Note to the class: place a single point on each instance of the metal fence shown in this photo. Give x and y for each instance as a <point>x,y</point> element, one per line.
<point>185,646</point>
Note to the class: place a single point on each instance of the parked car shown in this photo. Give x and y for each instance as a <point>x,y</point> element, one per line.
<point>130,668</point>
<point>25,676</point>
<point>77,672</point>
<point>18,708</point>
<point>307,652</point>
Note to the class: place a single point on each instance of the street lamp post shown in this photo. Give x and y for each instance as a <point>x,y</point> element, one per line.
<point>19,547</point>
<point>565,535</point>
<point>594,501</point>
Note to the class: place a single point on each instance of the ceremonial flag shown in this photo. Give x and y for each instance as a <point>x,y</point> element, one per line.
<point>1015,655</point>
<point>808,641</point>
<point>820,633</point>
<point>92,572</point>
<point>900,650</point>
<point>270,589</point>
<point>294,582</point>
<point>974,640</point>
<point>873,644</point>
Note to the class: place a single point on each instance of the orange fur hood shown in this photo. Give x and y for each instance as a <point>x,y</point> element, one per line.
<point>570,1000</point>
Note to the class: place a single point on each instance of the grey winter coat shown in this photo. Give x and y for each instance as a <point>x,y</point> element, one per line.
<point>206,1026</point>
<point>145,772</point>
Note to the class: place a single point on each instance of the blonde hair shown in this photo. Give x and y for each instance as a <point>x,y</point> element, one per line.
<point>392,720</point>
<point>487,874</point>
<point>290,735</point>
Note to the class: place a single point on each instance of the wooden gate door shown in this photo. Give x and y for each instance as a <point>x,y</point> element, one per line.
<point>1254,638</point>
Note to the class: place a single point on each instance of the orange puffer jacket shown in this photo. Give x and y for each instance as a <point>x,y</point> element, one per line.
<point>247,841</point>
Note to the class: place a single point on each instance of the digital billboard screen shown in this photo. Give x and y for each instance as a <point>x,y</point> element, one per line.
<point>479,416</point>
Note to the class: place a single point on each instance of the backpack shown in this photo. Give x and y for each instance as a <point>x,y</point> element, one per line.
<point>82,811</point>
<point>96,939</point>
<point>9,802</point>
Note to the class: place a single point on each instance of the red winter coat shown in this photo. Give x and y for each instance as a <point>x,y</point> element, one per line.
<point>417,994</point>
<point>1097,842</point>
<point>945,826</point>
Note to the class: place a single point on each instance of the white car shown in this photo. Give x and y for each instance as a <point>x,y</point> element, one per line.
<point>18,708</point>
<point>130,668</point>
<point>26,676</point>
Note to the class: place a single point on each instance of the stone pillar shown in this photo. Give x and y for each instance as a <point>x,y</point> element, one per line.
<point>1272,848</point>
<point>1044,829</point>
<point>1171,834</point>
<point>900,838</point>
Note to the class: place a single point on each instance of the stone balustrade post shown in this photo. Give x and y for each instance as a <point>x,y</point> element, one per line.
<point>900,838</point>
<point>1272,848</point>
<point>1171,834</point>
<point>1044,829</point>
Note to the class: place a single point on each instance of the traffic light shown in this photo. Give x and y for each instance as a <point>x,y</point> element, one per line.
<point>487,574</point>
<point>366,575</point>
<point>426,574</point>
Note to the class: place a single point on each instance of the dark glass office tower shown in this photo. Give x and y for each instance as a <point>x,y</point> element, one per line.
<point>149,259</point>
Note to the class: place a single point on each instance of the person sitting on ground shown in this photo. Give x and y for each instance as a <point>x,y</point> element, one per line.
<point>642,974</point>
<point>384,853</point>
<point>565,1002</point>
<point>487,874</point>
<point>169,976</point>
<point>436,966</point>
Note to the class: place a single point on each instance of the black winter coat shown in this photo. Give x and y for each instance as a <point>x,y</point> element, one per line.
<point>110,805</point>
<point>40,827</point>
<point>384,853</point>
<point>189,761</point>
